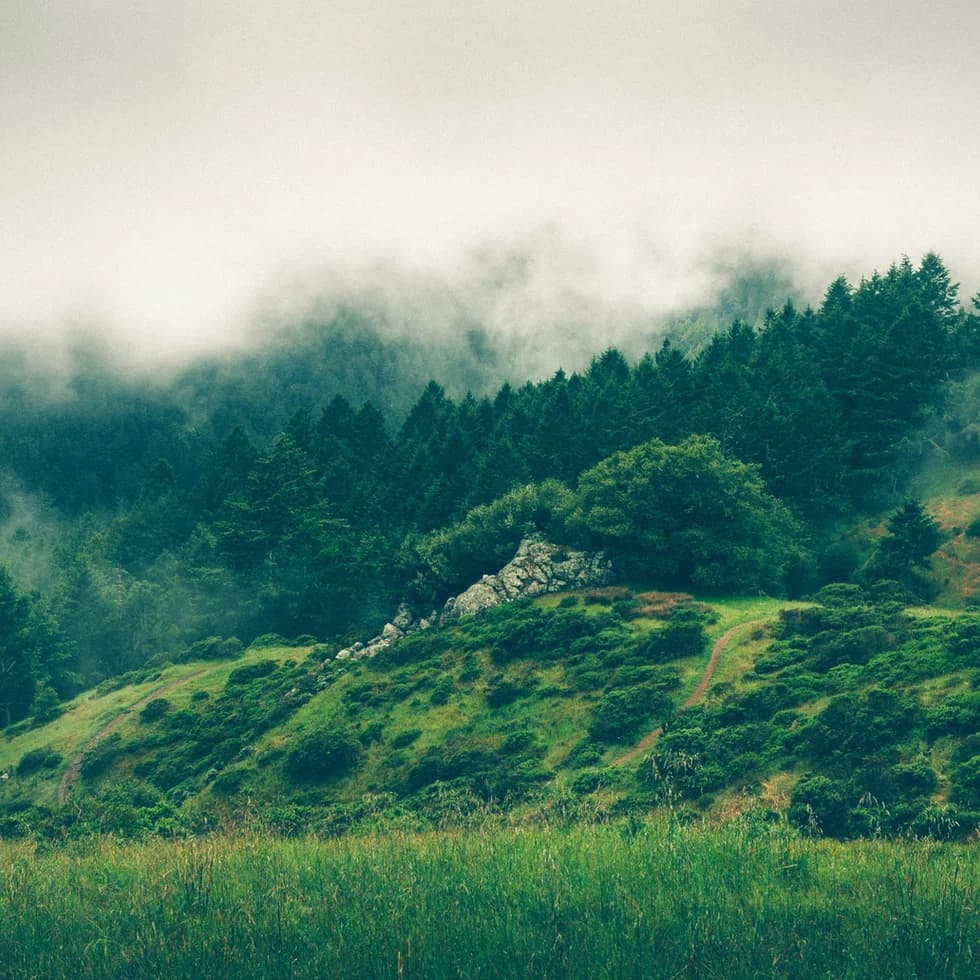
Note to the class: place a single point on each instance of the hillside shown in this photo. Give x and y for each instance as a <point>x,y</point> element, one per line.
<point>175,631</point>
<point>850,715</point>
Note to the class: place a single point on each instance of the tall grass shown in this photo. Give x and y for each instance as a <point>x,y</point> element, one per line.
<point>658,900</point>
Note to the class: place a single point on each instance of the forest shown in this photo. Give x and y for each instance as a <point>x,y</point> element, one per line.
<point>250,498</point>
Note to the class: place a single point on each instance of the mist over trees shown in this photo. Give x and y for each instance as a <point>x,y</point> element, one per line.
<point>288,493</point>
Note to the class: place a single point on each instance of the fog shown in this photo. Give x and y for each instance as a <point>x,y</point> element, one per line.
<point>175,175</point>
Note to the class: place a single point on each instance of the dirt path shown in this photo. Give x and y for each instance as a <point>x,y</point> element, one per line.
<point>695,696</point>
<point>74,769</point>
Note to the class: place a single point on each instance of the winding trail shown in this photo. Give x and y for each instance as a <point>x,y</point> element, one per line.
<point>74,769</point>
<point>695,696</point>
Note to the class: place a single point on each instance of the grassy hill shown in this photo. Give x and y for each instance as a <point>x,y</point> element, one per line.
<point>851,714</point>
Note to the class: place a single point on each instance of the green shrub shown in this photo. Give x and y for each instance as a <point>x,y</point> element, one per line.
<point>213,648</point>
<point>501,691</point>
<point>231,780</point>
<point>818,806</point>
<point>322,755</point>
<point>681,636</point>
<point>522,742</point>
<point>441,692</point>
<point>102,757</point>
<point>589,780</point>
<point>251,672</point>
<point>839,594</point>
<point>269,640</point>
<point>373,733</point>
<point>586,753</point>
<point>154,710</point>
<point>405,738</point>
<point>620,712</point>
<point>36,760</point>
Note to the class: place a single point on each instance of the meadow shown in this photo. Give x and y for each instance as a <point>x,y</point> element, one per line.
<point>653,899</point>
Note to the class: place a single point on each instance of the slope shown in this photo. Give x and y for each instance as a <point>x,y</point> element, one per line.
<point>527,709</point>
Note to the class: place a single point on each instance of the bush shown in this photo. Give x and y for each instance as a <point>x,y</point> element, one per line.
<point>251,672</point>
<point>101,757</point>
<point>373,733</point>
<point>322,755</point>
<point>620,712</point>
<point>817,806</point>
<point>840,595</point>
<point>681,636</point>
<point>586,753</point>
<point>36,760</point>
<point>269,640</point>
<point>501,692</point>
<point>155,710</point>
<point>441,692</point>
<point>231,780</point>
<point>405,738</point>
<point>973,528</point>
<point>213,648</point>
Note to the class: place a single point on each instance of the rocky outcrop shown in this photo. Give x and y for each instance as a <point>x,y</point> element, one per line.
<point>403,624</point>
<point>537,569</point>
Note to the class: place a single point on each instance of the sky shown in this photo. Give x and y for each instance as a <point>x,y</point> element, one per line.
<point>170,172</point>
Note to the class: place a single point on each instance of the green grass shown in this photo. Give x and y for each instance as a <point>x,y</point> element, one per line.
<point>84,715</point>
<point>653,900</point>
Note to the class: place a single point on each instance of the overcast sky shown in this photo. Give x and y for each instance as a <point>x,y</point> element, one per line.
<point>166,164</point>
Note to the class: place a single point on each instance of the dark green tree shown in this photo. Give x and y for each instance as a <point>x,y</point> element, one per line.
<point>686,515</point>
<point>903,553</point>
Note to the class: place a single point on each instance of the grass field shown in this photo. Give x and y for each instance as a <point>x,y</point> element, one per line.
<point>625,901</point>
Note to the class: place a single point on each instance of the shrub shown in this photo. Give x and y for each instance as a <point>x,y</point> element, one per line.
<point>839,594</point>
<point>973,528</point>
<point>682,636</point>
<point>501,691</point>
<point>373,733</point>
<point>322,755</point>
<point>251,672</point>
<point>405,738</point>
<point>521,742</point>
<point>36,760</point>
<point>269,640</point>
<point>620,712</point>
<point>155,710</point>
<point>231,780</point>
<point>586,753</point>
<point>589,780</point>
<point>441,692</point>
<point>213,648</point>
<point>914,779</point>
<point>817,806</point>
<point>102,757</point>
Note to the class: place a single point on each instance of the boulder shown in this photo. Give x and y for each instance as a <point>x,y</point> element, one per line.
<point>538,568</point>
